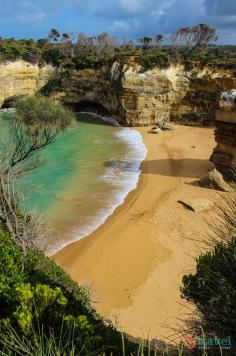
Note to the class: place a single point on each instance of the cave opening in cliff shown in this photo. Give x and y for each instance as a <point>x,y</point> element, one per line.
<point>10,102</point>
<point>90,106</point>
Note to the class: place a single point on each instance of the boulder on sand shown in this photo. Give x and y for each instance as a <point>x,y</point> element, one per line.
<point>162,125</point>
<point>215,180</point>
<point>155,130</point>
<point>168,126</point>
<point>165,125</point>
<point>197,204</point>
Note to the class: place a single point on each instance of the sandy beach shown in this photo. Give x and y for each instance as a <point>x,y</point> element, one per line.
<point>134,263</point>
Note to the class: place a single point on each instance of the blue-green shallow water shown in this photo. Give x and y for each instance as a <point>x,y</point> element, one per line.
<point>82,178</point>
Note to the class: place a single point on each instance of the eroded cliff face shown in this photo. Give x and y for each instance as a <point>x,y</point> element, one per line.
<point>20,78</point>
<point>224,155</point>
<point>139,98</point>
<point>133,96</point>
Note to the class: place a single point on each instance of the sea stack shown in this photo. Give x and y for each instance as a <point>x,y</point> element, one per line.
<point>224,155</point>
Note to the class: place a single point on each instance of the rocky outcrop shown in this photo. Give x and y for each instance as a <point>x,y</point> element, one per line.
<point>132,95</point>
<point>214,180</point>
<point>20,78</point>
<point>196,204</point>
<point>224,155</point>
<point>141,98</point>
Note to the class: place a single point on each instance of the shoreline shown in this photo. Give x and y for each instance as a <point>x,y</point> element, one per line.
<point>120,176</point>
<point>135,261</point>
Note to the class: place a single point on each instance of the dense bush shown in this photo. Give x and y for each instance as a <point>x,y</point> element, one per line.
<point>39,112</point>
<point>52,55</point>
<point>36,293</point>
<point>155,58</point>
<point>12,50</point>
<point>91,52</point>
<point>212,288</point>
<point>50,86</point>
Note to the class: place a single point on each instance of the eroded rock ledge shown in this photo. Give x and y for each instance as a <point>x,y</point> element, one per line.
<point>224,155</point>
<point>20,78</point>
<point>141,98</point>
<point>135,97</point>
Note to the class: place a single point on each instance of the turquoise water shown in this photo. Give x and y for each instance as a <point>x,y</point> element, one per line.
<point>82,177</point>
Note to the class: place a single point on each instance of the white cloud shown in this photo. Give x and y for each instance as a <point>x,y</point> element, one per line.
<point>126,18</point>
<point>37,16</point>
<point>133,6</point>
<point>120,25</point>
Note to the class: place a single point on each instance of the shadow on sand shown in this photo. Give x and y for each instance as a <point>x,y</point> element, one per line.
<point>184,168</point>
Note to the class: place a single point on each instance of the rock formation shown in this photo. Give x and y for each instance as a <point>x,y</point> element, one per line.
<point>196,204</point>
<point>215,180</point>
<point>20,78</point>
<point>132,95</point>
<point>139,98</point>
<point>224,155</point>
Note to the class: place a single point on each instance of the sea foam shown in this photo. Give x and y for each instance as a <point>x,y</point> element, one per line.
<point>122,175</point>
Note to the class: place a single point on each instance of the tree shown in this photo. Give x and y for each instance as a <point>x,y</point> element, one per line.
<point>42,42</point>
<point>146,41</point>
<point>104,45</point>
<point>183,37</point>
<point>54,35</point>
<point>195,37</point>
<point>38,123</point>
<point>203,35</point>
<point>159,40</point>
<point>84,45</point>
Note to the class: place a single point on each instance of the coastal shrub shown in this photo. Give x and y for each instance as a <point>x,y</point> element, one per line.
<point>86,61</point>
<point>50,86</point>
<point>92,52</point>
<point>31,54</point>
<point>11,265</point>
<point>12,50</point>
<point>41,269</point>
<point>52,55</point>
<point>212,289</point>
<point>155,58</point>
<point>36,112</point>
<point>36,294</point>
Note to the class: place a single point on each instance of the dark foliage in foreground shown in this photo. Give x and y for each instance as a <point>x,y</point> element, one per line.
<point>35,293</point>
<point>212,289</point>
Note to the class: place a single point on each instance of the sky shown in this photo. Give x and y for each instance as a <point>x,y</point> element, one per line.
<point>121,18</point>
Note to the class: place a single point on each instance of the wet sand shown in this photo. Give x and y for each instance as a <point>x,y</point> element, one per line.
<point>134,263</point>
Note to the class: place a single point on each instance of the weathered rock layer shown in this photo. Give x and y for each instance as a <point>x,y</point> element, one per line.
<point>135,97</point>
<point>224,155</point>
<point>20,78</point>
<point>141,98</point>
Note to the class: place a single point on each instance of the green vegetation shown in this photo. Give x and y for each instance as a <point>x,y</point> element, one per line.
<point>189,45</point>
<point>38,113</point>
<point>148,60</point>
<point>212,289</point>
<point>35,293</point>
<point>43,312</point>
<point>38,299</point>
<point>37,125</point>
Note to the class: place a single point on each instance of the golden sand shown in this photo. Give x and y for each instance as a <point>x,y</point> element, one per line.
<point>134,263</point>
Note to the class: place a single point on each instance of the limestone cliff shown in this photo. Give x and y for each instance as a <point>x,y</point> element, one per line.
<point>21,78</point>
<point>136,97</point>
<point>141,98</point>
<point>224,155</point>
